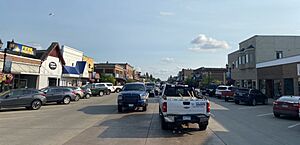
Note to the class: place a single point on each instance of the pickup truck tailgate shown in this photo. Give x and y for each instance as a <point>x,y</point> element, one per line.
<point>186,105</point>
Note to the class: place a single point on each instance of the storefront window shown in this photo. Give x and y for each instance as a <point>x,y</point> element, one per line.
<point>277,88</point>
<point>262,86</point>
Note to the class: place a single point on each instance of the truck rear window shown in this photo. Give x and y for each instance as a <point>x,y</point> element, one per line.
<point>222,88</point>
<point>178,91</point>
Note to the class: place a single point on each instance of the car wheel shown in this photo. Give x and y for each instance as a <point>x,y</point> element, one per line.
<point>144,108</point>
<point>253,102</point>
<point>36,104</point>
<point>120,108</point>
<point>236,101</point>
<point>265,102</point>
<point>101,93</point>
<point>66,100</point>
<point>226,99</point>
<point>277,115</point>
<point>108,92</point>
<point>163,124</point>
<point>118,90</point>
<point>87,96</point>
<point>77,98</point>
<point>202,126</point>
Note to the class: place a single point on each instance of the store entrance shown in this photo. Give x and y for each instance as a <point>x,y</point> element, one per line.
<point>52,82</point>
<point>289,86</point>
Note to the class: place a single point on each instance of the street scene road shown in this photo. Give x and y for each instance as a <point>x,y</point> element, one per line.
<point>96,121</point>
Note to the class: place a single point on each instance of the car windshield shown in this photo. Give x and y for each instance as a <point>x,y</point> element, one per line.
<point>289,99</point>
<point>134,87</point>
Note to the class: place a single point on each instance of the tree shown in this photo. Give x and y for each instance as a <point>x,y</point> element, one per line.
<point>108,78</point>
<point>191,82</point>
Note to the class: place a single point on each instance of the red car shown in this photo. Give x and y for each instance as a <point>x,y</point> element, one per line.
<point>287,105</point>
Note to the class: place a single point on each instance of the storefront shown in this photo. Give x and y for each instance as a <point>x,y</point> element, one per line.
<point>52,65</point>
<point>23,67</point>
<point>75,71</point>
<point>279,77</point>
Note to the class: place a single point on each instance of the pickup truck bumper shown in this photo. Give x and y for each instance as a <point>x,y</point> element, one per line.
<point>139,103</point>
<point>181,119</point>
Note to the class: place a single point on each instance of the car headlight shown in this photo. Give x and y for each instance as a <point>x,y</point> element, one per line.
<point>143,96</point>
<point>120,97</point>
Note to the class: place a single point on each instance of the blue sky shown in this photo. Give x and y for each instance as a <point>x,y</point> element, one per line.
<point>157,36</point>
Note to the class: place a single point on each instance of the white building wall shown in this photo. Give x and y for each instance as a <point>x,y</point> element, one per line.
<point>71,55</point>
<point>46,72</point>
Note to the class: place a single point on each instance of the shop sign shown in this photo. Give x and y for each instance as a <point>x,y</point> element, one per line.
<point>23,48</point>
<point>52,65</point>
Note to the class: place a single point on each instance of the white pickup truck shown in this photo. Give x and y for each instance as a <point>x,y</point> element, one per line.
<point>112,88</point>
<point>179,105</point>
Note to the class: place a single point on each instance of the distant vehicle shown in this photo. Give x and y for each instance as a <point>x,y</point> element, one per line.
<point>29,98</point>
<point>211,89</point>
<point>97,89</point>
<point>180,104</point>
<point>87,92</point>
<point>250,96</point>
<point>225,92</point>
<point>150,89</point>
<point>112,88</point>
<point>133,95</point>
<point>79,92</point>
<point>288,106</point>
<point>59,94</point>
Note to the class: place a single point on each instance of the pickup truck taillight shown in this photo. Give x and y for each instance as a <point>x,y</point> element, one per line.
<point>164,107</point>
<point>207,107</point>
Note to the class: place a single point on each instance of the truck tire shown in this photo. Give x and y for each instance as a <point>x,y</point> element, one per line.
<point>120,108</point>
<point>118,90</point>
<point>253,102</point>
<point>163,124</point>
<point>145,108</point>
<point>202,126</point>
<point>101,93</point>
<point>236,101</point>
<point>276,115</point>
<point>108,92</point>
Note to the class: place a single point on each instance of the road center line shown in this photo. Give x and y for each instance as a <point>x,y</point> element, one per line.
<point>266,114</point>
<point>291,126</point>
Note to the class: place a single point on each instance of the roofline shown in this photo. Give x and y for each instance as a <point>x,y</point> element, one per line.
<point>270,35</point>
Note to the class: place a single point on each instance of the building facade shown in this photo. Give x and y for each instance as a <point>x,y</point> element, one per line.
<point>257,50</point>
<point>214,74</point>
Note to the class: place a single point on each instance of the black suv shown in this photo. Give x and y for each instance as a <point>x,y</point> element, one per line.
<point>132,96</point>
<point>29,98</point>
<point>59,94</point>
<point>249,96</point>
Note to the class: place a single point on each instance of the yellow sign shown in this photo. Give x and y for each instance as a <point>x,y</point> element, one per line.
<point>24,49</point>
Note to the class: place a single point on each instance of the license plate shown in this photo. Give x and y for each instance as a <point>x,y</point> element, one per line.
<point>130,105</point>
<point>284,106</point>
<point>186,118</point>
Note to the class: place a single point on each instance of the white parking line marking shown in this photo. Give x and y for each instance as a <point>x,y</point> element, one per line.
<point>266,114</point>
<point>291,126</point>
<point>242,108</point>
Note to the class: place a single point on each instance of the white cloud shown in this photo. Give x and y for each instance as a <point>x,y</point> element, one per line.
<point>168,60</point>
<point>166,13</point>
<point>203,43</point>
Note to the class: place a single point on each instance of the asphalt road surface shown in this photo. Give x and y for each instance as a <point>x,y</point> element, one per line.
<point>96,121</point>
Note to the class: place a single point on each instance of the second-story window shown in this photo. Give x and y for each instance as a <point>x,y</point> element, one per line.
<point>279,54</point>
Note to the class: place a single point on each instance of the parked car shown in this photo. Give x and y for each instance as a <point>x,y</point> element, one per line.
<point>79,93</point>
<point>97,89</point>
<point>181,105</point>
<point>287,105</point>
<point>250,96</point>
<point>210,90</point>
<point>112,88</point>
<point>59,94</point>
<point>87,92</point>
<point>29,98</point>
<point>133,95</point>
<point>150,87</point>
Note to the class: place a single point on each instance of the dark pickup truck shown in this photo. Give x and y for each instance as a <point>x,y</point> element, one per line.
<point>133,95</point>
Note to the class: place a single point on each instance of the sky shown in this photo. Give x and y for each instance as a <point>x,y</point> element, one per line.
<point>156,36</point>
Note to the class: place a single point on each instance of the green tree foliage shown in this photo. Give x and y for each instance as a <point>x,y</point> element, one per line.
<point>107,78</point>
<point>191,82</point>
